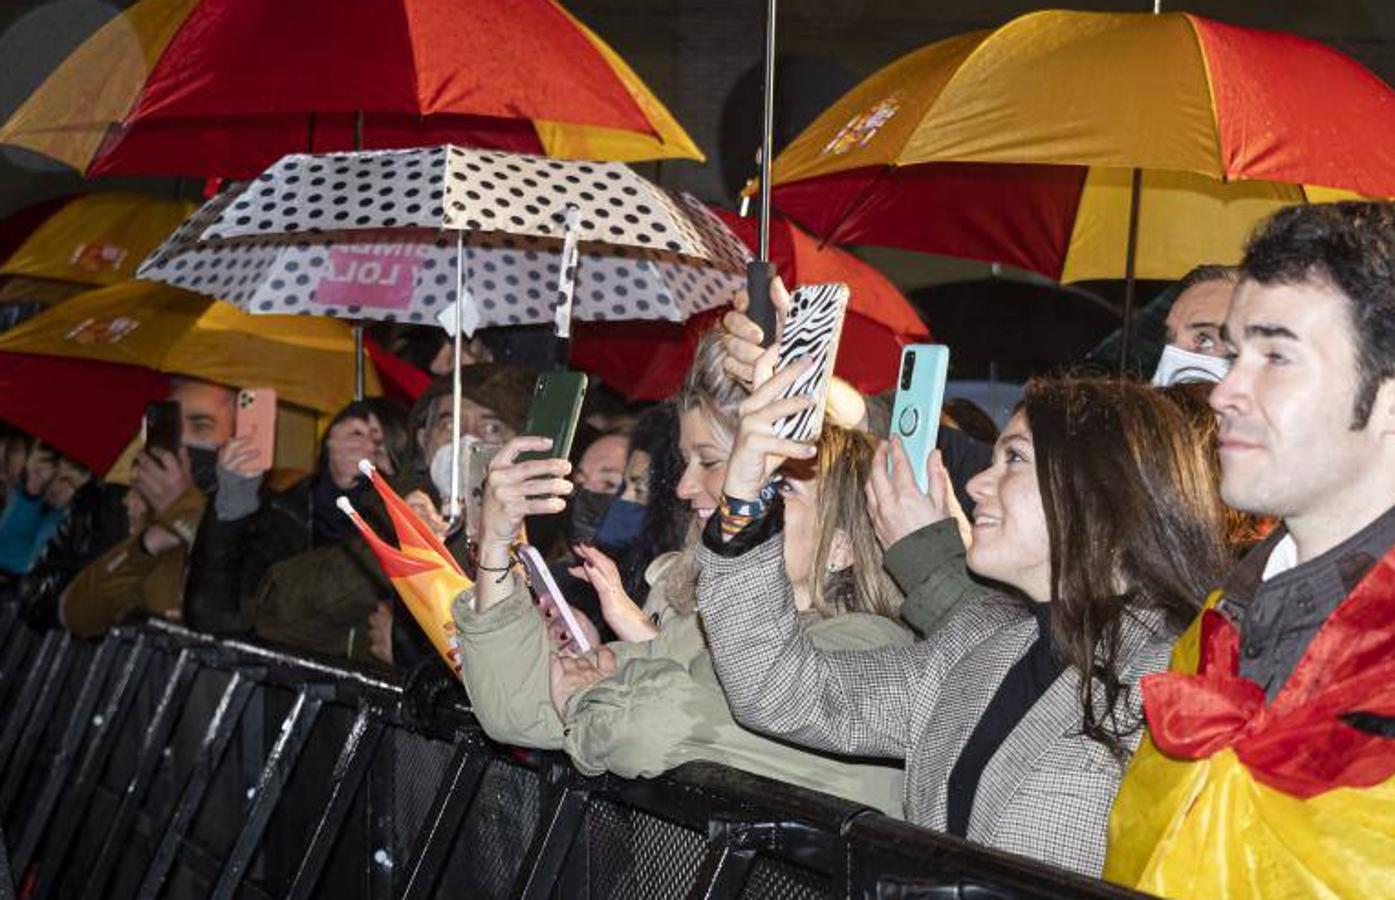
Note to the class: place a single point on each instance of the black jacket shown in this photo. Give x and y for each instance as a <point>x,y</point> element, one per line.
<point>95,523</point>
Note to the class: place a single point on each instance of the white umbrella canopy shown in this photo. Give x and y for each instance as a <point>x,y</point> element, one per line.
<point>367,235</point>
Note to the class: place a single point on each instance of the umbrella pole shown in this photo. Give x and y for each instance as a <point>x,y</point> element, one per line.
<point>358,326</point>
<point>767,128</point>
<point>454,511</point>
<point>1135,191</point>
<point>760,272</point>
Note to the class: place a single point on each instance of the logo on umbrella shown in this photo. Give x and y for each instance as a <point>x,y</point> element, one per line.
<point>861,128</point>
<point>97,258</point>
<point>101,331</point>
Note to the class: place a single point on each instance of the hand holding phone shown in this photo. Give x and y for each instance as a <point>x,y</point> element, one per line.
<point>256,423</point>
<point>554,413</point>
<point>811,332</point>
<point>915,415</point>
<point>163,427</point>
<point>549,597</point>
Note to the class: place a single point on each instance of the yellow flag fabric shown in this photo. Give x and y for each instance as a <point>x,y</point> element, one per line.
<point>1207,829</point>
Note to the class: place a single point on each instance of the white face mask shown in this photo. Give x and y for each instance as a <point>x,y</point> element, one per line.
<point>440,466</point>
<point>1179,366</point>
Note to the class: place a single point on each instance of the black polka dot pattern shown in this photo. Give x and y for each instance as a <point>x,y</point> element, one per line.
<point>409,273</point>
<point>472,190</point>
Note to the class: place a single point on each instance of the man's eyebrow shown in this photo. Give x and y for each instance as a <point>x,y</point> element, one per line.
<point>1198,326</point>
<point>1269,331</point>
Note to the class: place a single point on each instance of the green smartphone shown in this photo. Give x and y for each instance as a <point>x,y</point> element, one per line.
<point>555,411</point>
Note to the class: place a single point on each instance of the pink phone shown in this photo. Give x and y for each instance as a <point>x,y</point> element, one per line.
<point>256,419</point>
<point>545,588</point>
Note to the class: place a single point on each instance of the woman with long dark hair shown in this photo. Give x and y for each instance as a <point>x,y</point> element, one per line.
<point>1098,516</point>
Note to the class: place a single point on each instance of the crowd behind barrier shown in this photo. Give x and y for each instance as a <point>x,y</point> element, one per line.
<point>163,762</point>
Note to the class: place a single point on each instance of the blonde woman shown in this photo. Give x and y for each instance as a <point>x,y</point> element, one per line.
<point>640,708</point>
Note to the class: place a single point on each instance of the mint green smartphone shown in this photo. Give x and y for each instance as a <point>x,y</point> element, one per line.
<point>555,411</point>
<point>915,417</point>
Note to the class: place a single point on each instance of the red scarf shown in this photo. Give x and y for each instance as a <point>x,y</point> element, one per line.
<point>1297,744</point>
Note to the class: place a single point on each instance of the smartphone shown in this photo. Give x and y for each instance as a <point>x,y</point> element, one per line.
<point>547,593</point>
<point>915,416</point>
<point>478,456</point>
<point>555,411</point>
<point>163,426</point>
<point>812,330</point>
<point>256,420</point>
<point>760,309</point>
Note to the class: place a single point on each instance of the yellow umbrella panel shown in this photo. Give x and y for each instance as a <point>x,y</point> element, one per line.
<point>93,240</point>
<point>309,361</point>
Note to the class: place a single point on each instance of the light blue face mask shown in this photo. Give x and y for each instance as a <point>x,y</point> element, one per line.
<point>622,525</point>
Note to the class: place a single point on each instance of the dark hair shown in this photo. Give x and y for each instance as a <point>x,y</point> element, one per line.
<point>505,389</point>
<point>1134,523</point>
<point>391,418</point>
<point>1351,246</point>
<point>1205,274</point>
<point>970,418</point>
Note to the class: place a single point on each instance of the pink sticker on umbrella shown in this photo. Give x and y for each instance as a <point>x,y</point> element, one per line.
<point>377,277</point>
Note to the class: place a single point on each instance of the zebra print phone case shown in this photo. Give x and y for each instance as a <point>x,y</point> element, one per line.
<point>812,329</point>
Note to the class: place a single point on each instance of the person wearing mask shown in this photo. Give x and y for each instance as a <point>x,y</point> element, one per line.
<point>1269,768</point>
<point>493,408</point>
<point>1015,719</point>
<point>1194,351</point>
<point>146,572</point>
<point>599,474</point>
<point>323,587</point>
<point>36,510</point>
<point>638,708</point>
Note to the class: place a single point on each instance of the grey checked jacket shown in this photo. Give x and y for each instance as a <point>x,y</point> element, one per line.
<point>1047,791</point>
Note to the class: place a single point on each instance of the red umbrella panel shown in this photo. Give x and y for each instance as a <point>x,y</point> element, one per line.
<point>85,409</point>
<point>223,88</point>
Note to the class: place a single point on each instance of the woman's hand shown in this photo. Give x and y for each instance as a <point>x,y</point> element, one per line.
<point>747,361</point>
<point>758,453</point>
<point>558,632</point>
<point>569,674</point>
<point>621,613</point>
<point>513,491</point>
<point>897,506</point>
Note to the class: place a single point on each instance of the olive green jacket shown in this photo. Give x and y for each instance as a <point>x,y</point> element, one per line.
<point>663,706</point>
<point>929,567</point>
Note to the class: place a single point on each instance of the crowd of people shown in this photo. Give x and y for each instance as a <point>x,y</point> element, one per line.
<point>984,658</point>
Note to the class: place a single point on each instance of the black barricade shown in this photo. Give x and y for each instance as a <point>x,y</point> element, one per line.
<point>164,763</point>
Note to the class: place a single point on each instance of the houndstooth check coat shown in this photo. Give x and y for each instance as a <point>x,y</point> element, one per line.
<point>1046,792</point>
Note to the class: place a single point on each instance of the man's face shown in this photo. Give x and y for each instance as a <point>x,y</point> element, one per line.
<point>475,420</point>
<point>1194,322</point>
<point>209,413</point>
<point>602,467</point>
<point>1286,442</point>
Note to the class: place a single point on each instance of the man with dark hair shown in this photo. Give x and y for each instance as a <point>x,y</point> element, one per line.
<point>1272,769</point>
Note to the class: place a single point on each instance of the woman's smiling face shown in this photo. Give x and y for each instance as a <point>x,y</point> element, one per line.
<point>1011,543</point>
<point>704,463</point>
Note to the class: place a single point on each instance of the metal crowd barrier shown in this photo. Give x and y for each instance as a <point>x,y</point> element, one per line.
<point>160,762</point>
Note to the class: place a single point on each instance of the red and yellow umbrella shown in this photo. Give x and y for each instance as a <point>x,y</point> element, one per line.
<point>226,87</point>
<point>647,360</point>
<point>1022,144</point>
<point>88,241</point>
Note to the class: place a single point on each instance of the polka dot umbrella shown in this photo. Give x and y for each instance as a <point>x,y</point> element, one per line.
<point>368,235</point>
<point>536,240</point>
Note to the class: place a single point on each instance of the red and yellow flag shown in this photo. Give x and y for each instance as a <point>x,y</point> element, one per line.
<point>426,576</point>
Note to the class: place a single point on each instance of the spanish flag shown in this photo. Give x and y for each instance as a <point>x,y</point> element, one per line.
<point>426,576</point>
<point>1233,796</point>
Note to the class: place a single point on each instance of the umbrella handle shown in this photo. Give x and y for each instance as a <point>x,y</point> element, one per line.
<point>761,310</point>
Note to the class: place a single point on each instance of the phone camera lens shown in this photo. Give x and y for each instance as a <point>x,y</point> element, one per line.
<point>907,368</point>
